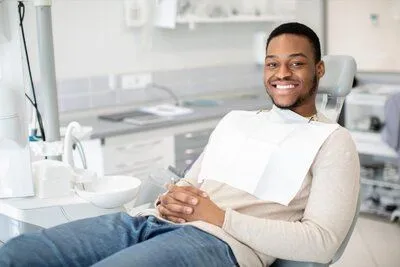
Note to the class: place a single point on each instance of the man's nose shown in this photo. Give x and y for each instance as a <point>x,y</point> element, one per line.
<point>283,72</point>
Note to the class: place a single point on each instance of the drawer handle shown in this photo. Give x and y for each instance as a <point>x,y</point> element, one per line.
<point>136,146</point>
<point>122,165</point>
<point>137,162</point>
<point>140,169</point>
<point>189,151</point>
<point>149,160</point>
<point>198,134</point>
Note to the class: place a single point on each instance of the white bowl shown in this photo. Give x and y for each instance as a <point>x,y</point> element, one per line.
<point>110,191</point>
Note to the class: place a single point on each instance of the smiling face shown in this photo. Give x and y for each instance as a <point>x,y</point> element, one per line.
<point>291,74</point>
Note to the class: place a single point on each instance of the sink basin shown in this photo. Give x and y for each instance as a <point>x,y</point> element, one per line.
<point>202,103</point>
<point>110,191</point>
<point>243,97</point>
<point>148,115</point>
<point>137,117</point>
<point>219,100</point>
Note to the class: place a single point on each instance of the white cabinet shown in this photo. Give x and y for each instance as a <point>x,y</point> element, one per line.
<point>126,154</point>
<point>142,153</point>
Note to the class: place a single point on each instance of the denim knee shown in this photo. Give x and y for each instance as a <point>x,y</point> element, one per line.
<point>24,250</point>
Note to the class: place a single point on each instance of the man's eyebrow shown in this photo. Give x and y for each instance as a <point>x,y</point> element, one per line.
<point>298,55</point>
<point>289,56</point>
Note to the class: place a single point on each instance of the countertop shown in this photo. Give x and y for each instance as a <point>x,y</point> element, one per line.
<point>103,128</point>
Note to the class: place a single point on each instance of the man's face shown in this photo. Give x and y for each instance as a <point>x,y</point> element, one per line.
<point>291,75</point>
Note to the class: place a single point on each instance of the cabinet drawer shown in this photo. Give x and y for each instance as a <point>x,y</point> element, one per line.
<point>137,147</point>
<point>195,136</point>
<point>191,144</point>
<point>182,145</point>
<point>135,166</point>
<point>129,156</point>
<point>184,164</point>
<point>187,153</point>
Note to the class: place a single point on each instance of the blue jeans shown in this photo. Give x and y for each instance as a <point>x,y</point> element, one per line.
<point>117,240</point>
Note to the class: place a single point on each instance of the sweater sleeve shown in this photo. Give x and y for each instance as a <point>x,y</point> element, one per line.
<point>328,214</point>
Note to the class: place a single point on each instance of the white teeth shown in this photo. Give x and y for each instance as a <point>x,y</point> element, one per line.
<point>289,86</point>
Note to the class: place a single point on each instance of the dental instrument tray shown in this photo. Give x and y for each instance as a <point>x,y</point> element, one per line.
<point>136,117</point>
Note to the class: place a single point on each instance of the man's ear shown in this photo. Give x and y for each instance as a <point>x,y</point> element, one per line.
<point>320,69</point>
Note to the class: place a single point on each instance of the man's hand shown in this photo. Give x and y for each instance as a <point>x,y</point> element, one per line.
<point>187,203</point>
<point>179,201</point>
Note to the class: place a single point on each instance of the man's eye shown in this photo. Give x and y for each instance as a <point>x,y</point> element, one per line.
<point>271,65</point>
<point>297,64</point>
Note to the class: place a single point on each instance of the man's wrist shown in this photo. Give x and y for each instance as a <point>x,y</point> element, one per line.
<point>221,219</point>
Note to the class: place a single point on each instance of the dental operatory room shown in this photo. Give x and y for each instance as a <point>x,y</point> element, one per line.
<point>200,133</point>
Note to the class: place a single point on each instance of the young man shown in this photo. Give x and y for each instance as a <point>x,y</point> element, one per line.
<point>276,184</point>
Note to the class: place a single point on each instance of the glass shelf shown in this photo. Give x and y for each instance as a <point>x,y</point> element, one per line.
<point>230,19</point>
<point>380,182</point>
<point>371,144</point>
<point>191,21</point>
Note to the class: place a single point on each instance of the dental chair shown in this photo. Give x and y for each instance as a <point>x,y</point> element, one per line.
<point>333,88</point>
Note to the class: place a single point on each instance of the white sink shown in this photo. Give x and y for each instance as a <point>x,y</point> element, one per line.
<point>110,191</point>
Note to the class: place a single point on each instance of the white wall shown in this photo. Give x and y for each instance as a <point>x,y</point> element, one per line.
<point>90,38</point>
<point>351,31</point>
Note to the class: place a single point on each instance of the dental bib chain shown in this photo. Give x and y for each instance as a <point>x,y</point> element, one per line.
<point>310,119</point>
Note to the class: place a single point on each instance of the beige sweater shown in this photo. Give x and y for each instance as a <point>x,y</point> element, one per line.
<point>310,228</point>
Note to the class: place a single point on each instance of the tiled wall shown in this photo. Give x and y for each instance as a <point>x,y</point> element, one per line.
<point>96,92</point>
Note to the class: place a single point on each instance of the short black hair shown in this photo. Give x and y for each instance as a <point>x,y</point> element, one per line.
<point>298,29</point>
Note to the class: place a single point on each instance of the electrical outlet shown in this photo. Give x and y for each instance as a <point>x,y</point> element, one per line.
<point>136,12</point>
<point>135,81</point>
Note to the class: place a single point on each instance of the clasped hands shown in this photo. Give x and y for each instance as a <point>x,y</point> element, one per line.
<point>182,204</point>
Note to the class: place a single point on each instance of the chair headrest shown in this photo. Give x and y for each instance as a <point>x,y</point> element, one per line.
<point>339,75</point>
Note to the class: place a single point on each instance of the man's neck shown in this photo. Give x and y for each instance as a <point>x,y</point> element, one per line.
<point>305,111</point>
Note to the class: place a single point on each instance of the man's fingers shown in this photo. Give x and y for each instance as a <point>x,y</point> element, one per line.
<point>196,191</point>
<point>166,212</point>
<point>178,196</point>
<point>183,196</point>
<point>174,206</point>
<point>175,219</point>
<point>191,189</point>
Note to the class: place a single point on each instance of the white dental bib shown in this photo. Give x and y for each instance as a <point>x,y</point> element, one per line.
<point>266,154</point>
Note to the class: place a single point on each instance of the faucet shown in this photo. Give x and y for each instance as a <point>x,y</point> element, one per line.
<point>70,142</point>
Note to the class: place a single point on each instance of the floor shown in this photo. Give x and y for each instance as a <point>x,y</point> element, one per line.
<point>374,243</point>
